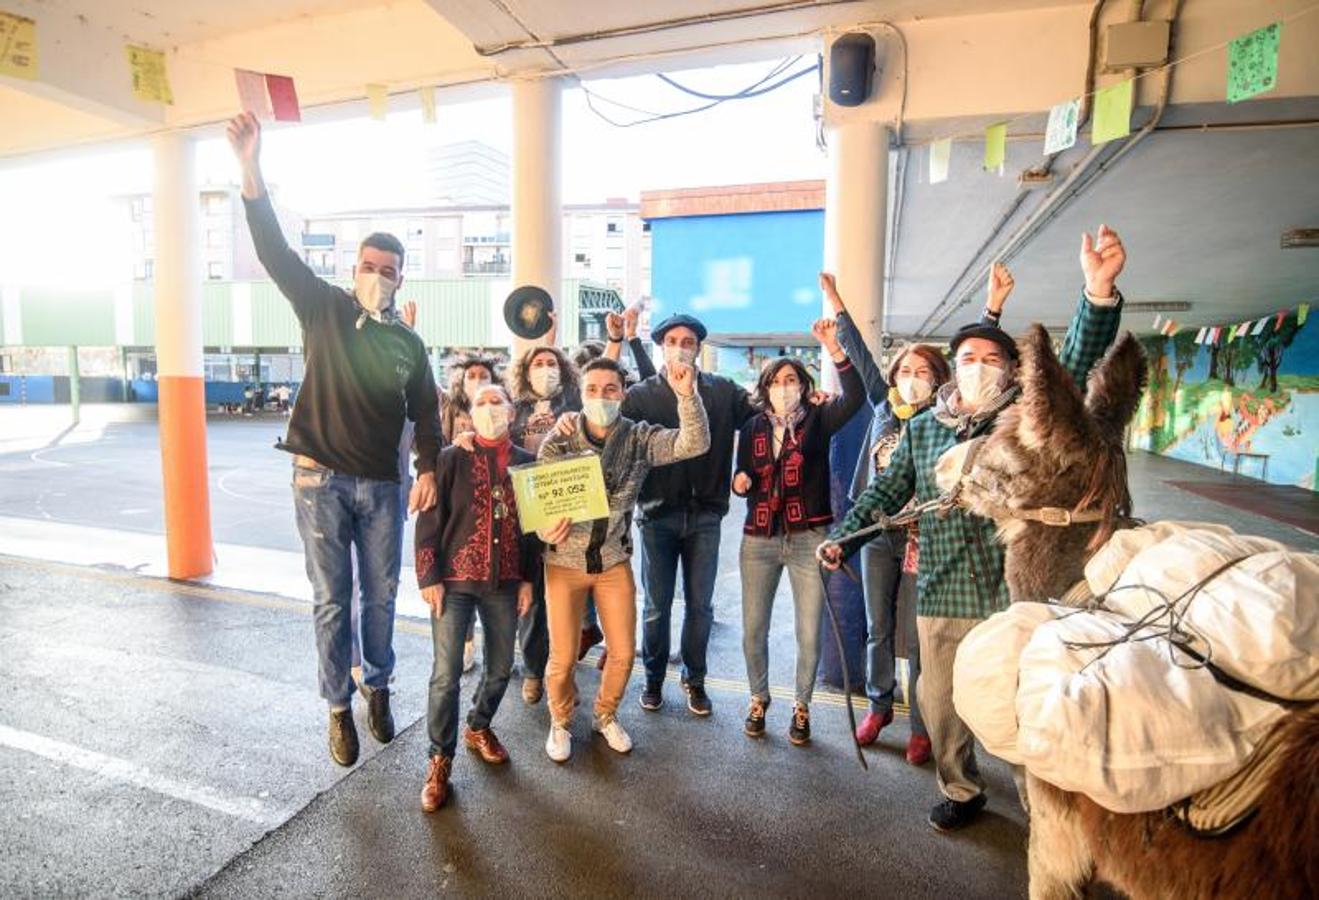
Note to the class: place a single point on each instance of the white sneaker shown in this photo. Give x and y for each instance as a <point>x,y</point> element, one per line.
<point>558,746</point>
<point>469,655</point>
<point>614,734</point>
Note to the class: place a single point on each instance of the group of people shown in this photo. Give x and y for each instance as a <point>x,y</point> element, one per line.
<point>674,444</point>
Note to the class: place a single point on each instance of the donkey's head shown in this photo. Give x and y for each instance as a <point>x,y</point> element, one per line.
<point>1054,450</point>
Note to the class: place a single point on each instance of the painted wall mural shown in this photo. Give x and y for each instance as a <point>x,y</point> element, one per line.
<point>1251,402</point>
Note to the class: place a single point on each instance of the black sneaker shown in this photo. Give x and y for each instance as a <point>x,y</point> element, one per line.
<point>343,737</point>
<point>799,732</point>
<point>755,722</point>
<point>949,815</point>
<point>652,698</point>
<point>698,701</point>
<point>378,716</point>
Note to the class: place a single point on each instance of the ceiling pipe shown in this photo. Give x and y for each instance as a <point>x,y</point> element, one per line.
<point>1044,168</point>
<point>1084,174</point>
<point>663,25</point>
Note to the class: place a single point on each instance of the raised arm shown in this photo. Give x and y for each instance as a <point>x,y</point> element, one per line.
<point>853,344</point>
<point>839,410</point>
<point>1094,327</point>
<point>1001,284</point>
<point>692,436</point>
<point>640,358</point>
<point>304,289</point>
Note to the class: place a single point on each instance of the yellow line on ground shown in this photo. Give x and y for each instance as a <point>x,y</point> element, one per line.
<point>283,604</point>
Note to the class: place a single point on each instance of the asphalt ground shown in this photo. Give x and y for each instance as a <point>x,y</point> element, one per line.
<point>163,738</point>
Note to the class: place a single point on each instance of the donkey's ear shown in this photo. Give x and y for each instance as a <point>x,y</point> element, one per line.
<point>1113,391</point>
<point>1051,411</point>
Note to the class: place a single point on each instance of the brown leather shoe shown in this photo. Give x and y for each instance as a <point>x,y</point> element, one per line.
<point>436,790</point>
<point>485,743</point>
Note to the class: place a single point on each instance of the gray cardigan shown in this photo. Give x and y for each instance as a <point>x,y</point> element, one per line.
<point>630,451</point>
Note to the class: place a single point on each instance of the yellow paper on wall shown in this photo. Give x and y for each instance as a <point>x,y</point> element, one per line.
<point>1112,112</point>
<point>150,80</point>
<point>571,487</point>
<point>18,46</point>
<point>996,146</point>
<point>378,99</point>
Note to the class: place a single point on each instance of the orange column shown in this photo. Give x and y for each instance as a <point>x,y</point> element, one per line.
<point>179,358</point>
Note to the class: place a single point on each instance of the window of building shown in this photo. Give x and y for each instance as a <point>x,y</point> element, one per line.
<point>143,269</point>
<point>581,258</point>
<point>613,226</point>
<point>645,227</point>
<point>216,204</point>
<point>214,238</point>
<point>215,270</point>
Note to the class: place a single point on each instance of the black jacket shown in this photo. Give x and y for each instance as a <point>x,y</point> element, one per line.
<point>460,540</point>
<point>360,383</point>
<point>791,492</point>
<point>700,484</point>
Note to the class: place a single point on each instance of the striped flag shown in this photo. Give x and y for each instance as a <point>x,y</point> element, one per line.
<point>1259,326</point>
<point>1277,323</point>
<point>1158,323</point>
<point>1200,336</point>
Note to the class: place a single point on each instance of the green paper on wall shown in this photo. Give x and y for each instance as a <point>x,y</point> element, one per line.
<point>996,146</point>
<point>1302,312</point>
<point>1112,112</point>
<point>1252,63</point>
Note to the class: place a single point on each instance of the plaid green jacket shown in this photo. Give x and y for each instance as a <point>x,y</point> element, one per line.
<point>960,574</point>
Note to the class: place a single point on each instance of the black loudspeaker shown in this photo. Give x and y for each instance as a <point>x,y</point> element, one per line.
<point>851,68</point>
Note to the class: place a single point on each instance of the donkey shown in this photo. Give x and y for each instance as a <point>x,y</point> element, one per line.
<point>1052,475</point>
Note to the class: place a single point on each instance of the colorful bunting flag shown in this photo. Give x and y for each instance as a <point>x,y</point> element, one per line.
<point>941,153</point>
<point>1112,117</point>
<point>252,94</point>
<point>1277,322</point>
<point>283,98</point>
<point>427,97</point>
<point>1252,63</point>
<point>1200,335</point>
<point>378,99</point>
<point>1158,321</point>
<point>996,147</point>
<point>1061,131</point>
<point>1259,326</point>
<point>1302,311</point>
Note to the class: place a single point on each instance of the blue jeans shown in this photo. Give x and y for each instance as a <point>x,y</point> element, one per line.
<point>881,565</point>
<point>691,538</point>
<point>532,632</point>
<point>498,610</point>
<point>763,560</point>
<point>336,515</point>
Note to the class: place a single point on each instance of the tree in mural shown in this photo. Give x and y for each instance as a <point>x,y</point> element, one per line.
<point>1236,356</point>
<point>1185,350</point>
<point>1273,343</point>
<point>1157,393</point>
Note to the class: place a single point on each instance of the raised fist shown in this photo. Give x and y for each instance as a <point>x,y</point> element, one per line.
<point>1102,260</point>
<point>682,378</point>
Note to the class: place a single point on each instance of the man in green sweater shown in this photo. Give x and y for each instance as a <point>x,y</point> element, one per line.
<point>960,571</point>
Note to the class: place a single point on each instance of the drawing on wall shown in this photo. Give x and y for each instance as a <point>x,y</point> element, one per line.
<point>1255,395</point>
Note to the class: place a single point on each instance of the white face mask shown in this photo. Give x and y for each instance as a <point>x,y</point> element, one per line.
<point>673,353</point>
<point>784,398</point>
<point>544,380</point>
<point>490,420</point>
<point>473,386</point>
<point>978,383</point>
<point>914,390</point>
<point>599,412</point>
<point>374,291</point>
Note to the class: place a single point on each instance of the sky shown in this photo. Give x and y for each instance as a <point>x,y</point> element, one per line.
<point>66,207</point>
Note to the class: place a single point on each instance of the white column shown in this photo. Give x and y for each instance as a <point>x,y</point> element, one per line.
<point>178,306</point>
<point>537,189</point>
<point>177,267</point>
<point>855,224</point>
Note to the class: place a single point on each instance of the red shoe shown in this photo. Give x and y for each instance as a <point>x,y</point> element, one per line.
<point>591,635</point>
<point>918,750</point>
<point>868,731</point>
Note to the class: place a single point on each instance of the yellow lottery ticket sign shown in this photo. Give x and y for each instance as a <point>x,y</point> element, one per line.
<point>572,487</point>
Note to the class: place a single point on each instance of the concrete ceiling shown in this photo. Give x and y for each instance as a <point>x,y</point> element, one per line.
<point>1201,213</point>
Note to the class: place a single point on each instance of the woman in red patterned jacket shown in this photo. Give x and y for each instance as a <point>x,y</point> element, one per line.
<point>783,471</point>
<point>472,559</point>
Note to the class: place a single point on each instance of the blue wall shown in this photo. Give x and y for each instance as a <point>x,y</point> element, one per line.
<point>743,273</point>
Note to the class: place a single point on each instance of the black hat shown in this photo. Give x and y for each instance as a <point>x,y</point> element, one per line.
<point>987,332</point>
<point>527,311</point>
<point>674,321</point>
